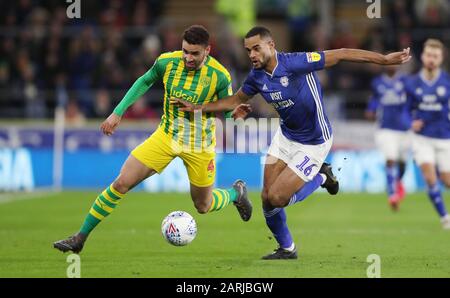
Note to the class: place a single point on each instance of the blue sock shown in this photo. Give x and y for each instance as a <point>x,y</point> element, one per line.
<point>276,221</point>
<point>307,189</point>
<point>434,192</point>
<point>391,175</point>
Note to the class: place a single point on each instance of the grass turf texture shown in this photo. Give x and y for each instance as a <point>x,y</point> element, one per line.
<point>335,235</point>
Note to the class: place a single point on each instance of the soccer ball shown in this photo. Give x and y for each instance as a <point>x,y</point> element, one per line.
<point>179,228</point>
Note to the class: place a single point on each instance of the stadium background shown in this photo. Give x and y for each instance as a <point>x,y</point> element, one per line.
<point>60,77</point>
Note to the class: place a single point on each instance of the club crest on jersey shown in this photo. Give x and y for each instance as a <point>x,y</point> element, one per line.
<point>313,57</point>
<point>441,91</point>
<point>205,81</point>
<point>284,81</point>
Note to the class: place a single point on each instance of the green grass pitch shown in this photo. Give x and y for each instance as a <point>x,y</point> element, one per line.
<point>335,235</point>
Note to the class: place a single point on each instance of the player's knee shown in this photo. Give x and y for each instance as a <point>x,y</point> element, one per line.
<point>276,199</point>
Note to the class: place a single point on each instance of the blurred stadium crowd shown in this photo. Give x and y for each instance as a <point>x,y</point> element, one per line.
<point>88,64</point>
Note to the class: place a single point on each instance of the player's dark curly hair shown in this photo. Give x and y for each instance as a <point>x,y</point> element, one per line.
<point>263,32</point>
<point>196,34</point>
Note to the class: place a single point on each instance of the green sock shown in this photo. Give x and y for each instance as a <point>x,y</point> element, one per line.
<point>222,198</point>
<point>104,204</point>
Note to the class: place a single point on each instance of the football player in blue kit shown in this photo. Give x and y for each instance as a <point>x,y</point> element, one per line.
<point>388,105</point>
<point>295,160</point>
<point>429,98</point>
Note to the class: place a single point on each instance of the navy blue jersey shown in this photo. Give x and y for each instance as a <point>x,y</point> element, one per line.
<point>389,102</point>
<point>295,92</point>
<point>429,101</point>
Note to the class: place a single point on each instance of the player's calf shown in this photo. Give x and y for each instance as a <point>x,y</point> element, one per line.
<point>202,207</point>
<point>445,177</point>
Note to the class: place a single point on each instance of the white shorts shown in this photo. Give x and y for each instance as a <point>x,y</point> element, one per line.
<point>395,145</point>
<point>304,160</point>
<point>432,150</point>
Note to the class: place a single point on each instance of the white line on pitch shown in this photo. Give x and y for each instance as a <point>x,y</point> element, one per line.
<point>14,197</point>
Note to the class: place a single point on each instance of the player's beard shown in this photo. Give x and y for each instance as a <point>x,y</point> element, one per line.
<point>195,64</point>
<point>262,64</point>
<point>431,67</point>
<point>191,66</point>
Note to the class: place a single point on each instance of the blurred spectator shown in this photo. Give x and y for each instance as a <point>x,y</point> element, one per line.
<point>102,104</point>
<point>170,38</point>
<point>343,37</point>
<point>34,104</point>
<point>301,19</point>
<point>433,13</point>
<point>140,110</point>
<point>84,56</point>
<point>46,58</point>
<point>239,17</point>
<point>151,49</point>
<point>400,14</point>
<point>74,117</point>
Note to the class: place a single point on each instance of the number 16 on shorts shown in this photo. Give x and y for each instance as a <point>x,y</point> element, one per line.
<point>306,167</point>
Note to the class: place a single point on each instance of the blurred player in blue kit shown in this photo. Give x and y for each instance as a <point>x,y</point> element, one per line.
<point>429,99</point>
<point>389,106</point>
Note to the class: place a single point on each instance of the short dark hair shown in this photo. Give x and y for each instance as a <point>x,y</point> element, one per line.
<point>263,32</point>
<point>196,34</point>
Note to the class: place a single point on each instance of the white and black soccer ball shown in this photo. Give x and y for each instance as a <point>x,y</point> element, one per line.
<point>179,228</point>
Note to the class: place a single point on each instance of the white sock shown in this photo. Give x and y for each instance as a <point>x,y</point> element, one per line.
<point>324,178</point>
<point>290,248</point>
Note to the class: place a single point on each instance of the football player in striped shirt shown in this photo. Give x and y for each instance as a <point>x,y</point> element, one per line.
<point>191,74</point>
<point>295,163</point>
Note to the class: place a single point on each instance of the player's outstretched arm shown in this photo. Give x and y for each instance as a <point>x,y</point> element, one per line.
<point>332,57</point>
<point>140,86</point>
<point>235,103</point>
